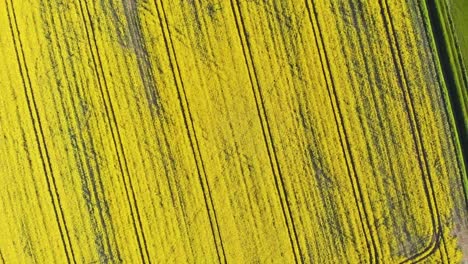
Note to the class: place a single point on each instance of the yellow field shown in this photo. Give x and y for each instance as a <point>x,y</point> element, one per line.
<point>205,131</point>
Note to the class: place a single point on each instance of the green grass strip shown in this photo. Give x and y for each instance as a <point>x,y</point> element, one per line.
<point>451,65</point>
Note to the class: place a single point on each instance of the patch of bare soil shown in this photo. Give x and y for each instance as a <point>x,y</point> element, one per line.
<point>462,234</point>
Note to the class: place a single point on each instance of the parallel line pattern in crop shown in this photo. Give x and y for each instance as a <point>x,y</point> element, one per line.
<point>210,131</point>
